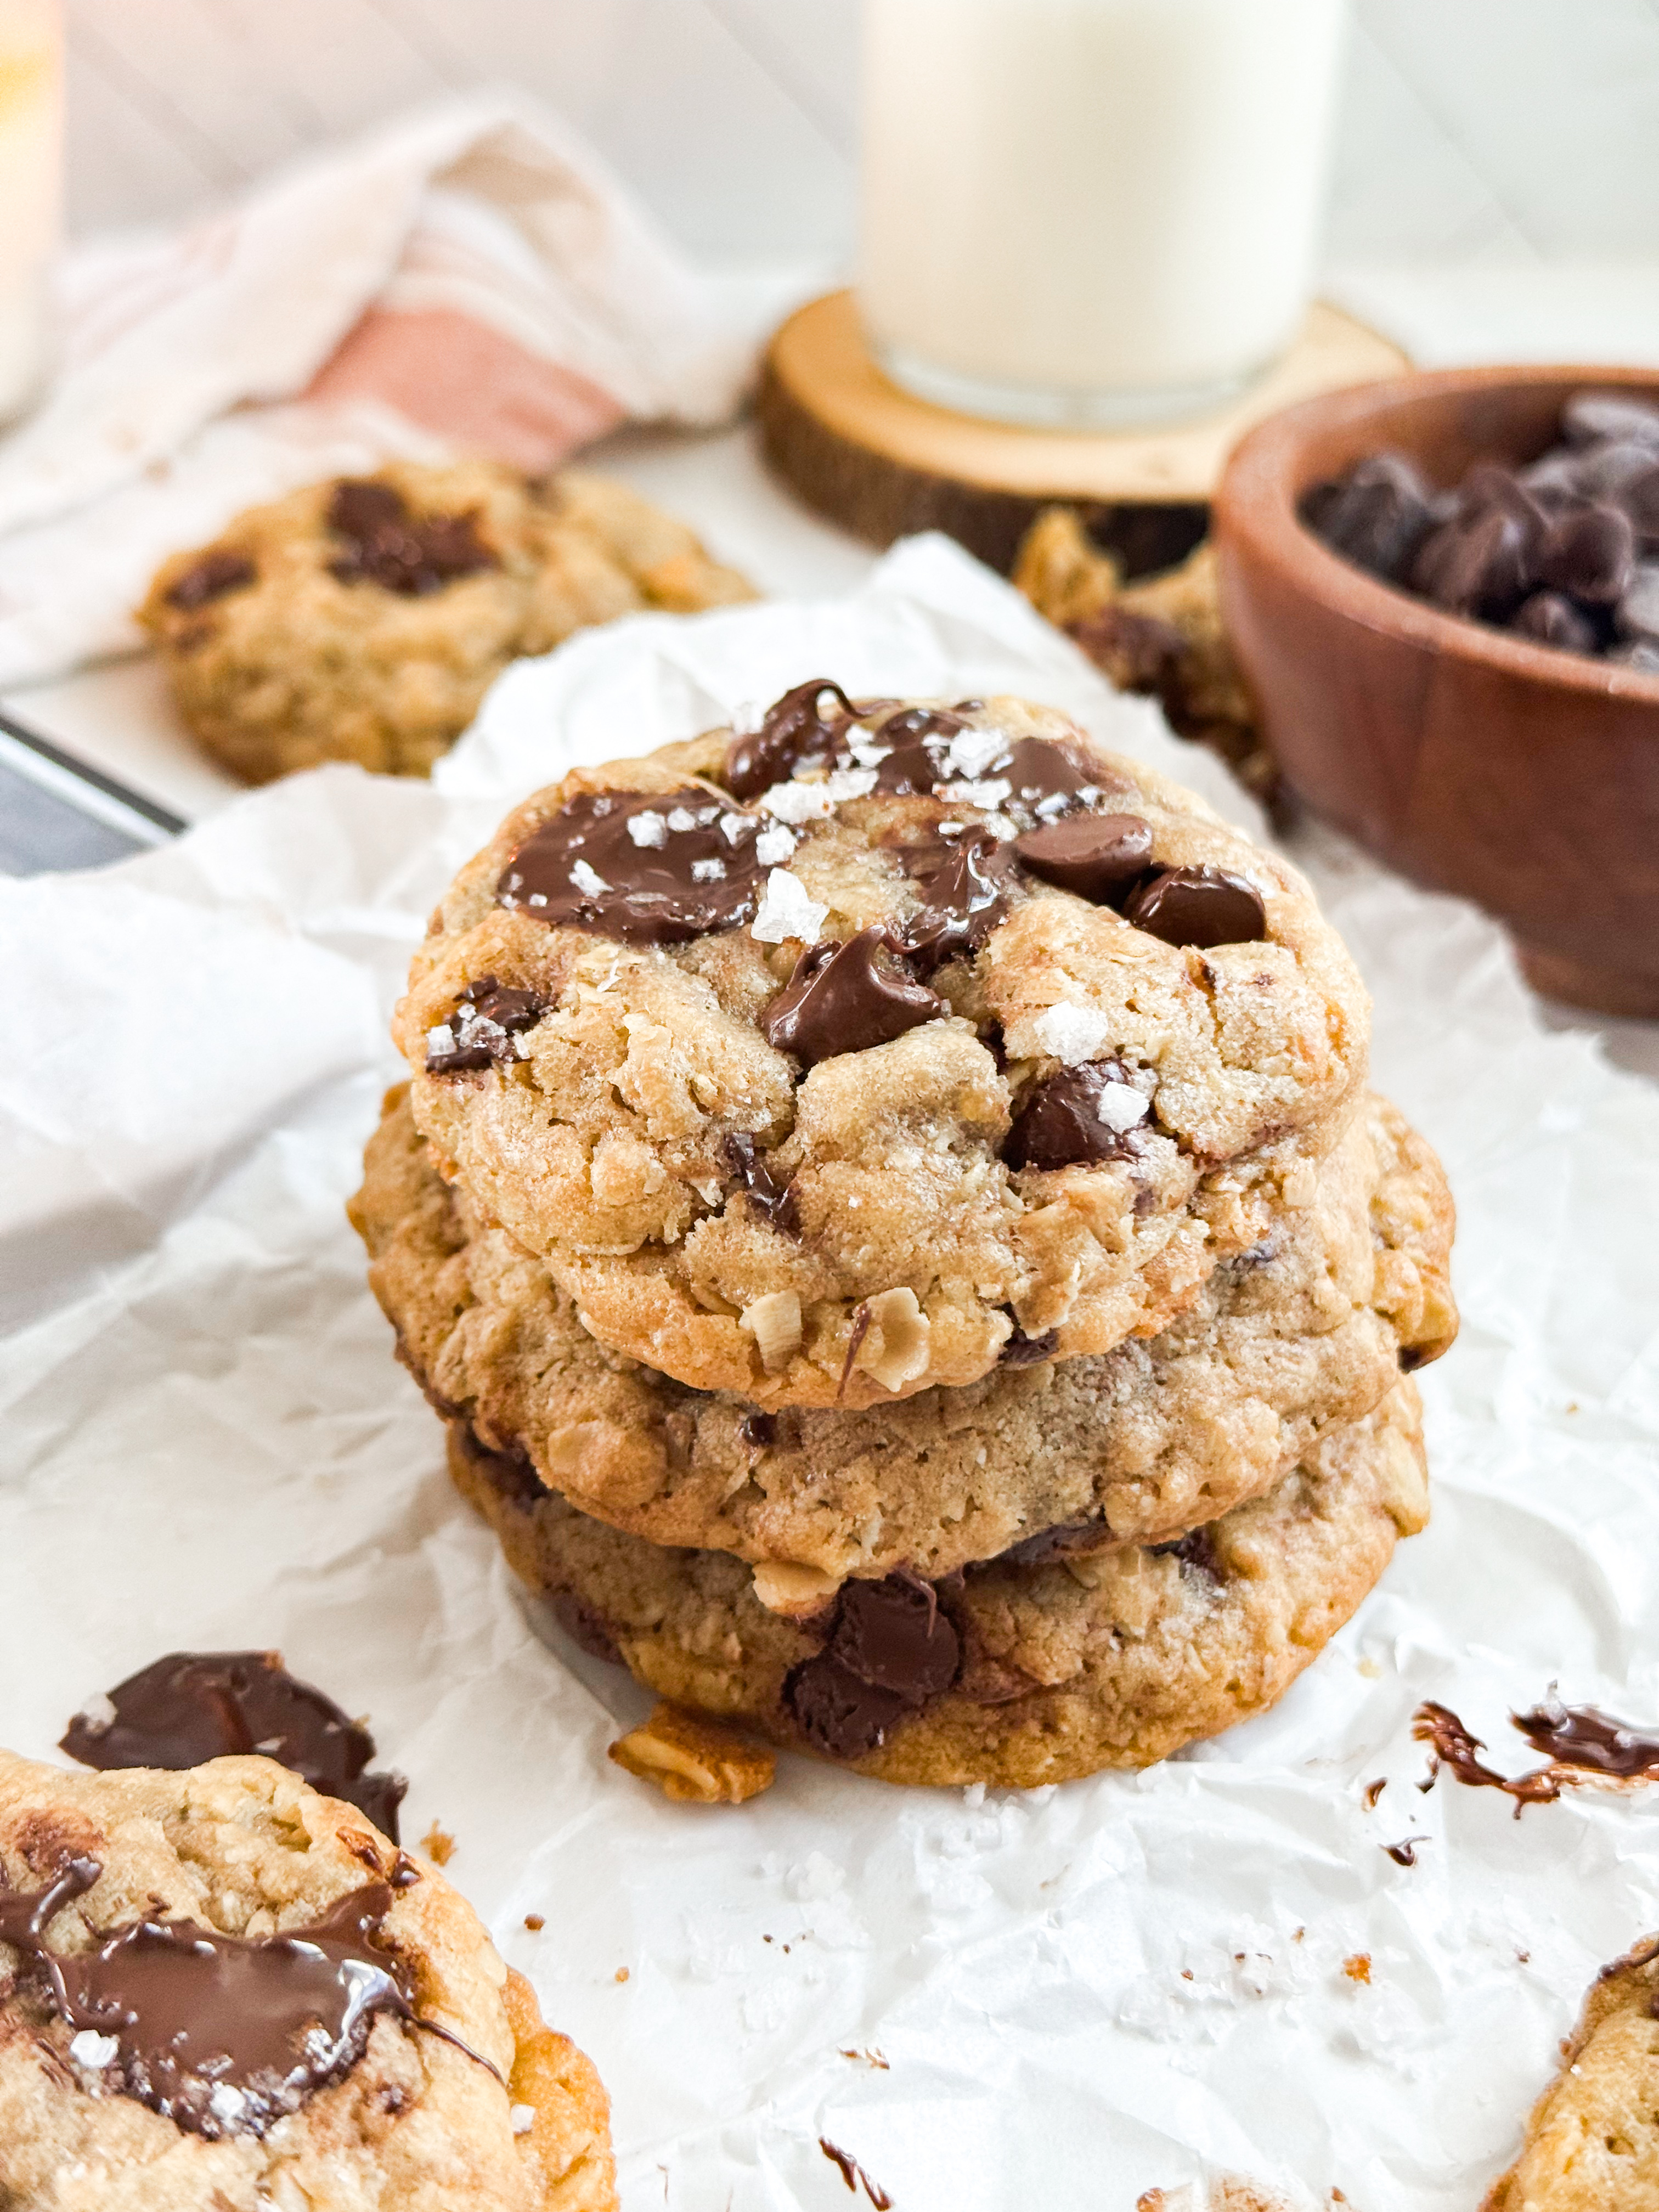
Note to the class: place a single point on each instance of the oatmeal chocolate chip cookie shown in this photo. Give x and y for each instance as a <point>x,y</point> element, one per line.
<point>364,619</point>
<point>220,1990</point>
<point>1306,1331</point>
<point>821,1061</point>
<point>1592,2140</point>
<point>1012,1673</point>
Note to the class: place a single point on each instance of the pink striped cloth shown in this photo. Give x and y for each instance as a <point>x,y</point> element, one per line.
<point>470,277</point>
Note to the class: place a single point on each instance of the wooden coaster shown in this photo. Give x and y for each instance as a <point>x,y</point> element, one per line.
<point>869,456</point>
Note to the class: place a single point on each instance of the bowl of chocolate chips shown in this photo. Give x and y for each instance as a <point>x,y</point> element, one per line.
<point>1443,591</point>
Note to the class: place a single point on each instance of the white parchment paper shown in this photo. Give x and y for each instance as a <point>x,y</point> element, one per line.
<point>1077,1994</point>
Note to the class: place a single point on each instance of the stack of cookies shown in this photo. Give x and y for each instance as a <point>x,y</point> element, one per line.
<point>889,1205</point>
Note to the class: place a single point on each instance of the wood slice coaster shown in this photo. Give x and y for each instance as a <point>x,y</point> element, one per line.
<point>872,458</point>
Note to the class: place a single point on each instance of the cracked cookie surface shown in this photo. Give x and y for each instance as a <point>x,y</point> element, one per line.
<point>891,1034</point>
<point>363,619</point>
<point>1306,1331</point>
<point>1010,1674</point>
<point>102,2020</point>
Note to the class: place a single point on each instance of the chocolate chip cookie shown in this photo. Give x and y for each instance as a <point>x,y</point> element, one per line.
<point>824,1061</point>
<point>364,619</point>
<point>1592,2140</point>
<point>1020,1672</point>
<point>1305,1332</point>
<point>221,1991</point>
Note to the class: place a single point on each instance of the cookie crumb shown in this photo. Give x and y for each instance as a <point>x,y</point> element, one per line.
<point>621,1973</point>
<point>534,1922</point>
<point>694,1760</point>
<point>524,2118</point>
<point>1359,1967</point>
<point>438,1844</point>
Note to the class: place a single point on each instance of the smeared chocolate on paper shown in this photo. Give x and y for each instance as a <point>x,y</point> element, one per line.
<point>196,1705</point>
<point>647,867</point>
<point>1584,1744</point>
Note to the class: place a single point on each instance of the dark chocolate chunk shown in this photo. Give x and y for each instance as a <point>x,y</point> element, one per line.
<point>1058,1122</point>
<point>965,890</point>
<point>845,997</point>
<point>1589,555</point>
<point>222,2035</point>
<point>758,1430</point>
<point>1098,856</point>
<point>1023,1351</point>
<point>890,1650</point>
<point>409,554</point>
<point>219,571</point>
<point>1475,564</point>
<point>1067,1540</point>
<point>1550,619</point>
<point>1196,1551</point>
<point>1201,907</point>
<point>1590,418</point>
<point>197,1705</point>
<point>482,1030</point>
<point>1376,516</point>
<point>793,729</point>
<point>647,867</point>
<point>774,1200</point>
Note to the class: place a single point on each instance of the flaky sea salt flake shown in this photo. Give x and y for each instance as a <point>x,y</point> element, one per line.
<point>789,909</point>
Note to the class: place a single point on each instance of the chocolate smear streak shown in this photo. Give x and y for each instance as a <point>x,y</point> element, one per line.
<point>792,730</point>
<point>1587,1748</point>
<point>1404,1853</point>
<point>846,998</point>
<point>772,1201</point>
<point>221,2034</point>
<point>890,1650</point>
<point>387,544</point>
<point>197,1705</point>
<point>854,2175</point>
<point>647,867</point>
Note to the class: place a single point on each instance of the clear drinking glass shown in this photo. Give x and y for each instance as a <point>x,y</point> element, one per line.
<point>31,192</point>
<point>1091,213</point>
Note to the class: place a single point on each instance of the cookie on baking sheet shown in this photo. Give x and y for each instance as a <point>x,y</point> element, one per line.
<point>220,1990</point>
<point>823,1063</point>
<point>364,618</point>
<point>1592,2140</point>
<point>1010,1673</point>
<point>1307,1330</point>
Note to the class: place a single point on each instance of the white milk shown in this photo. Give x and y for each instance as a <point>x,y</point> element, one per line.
<point>1091,210</point>
<point>31,165</point>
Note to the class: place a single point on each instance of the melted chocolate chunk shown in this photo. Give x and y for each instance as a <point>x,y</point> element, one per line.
<point>221,2034</point>
<point>1064,1540</point>
<point>1099,856</point>
<point>889,1652</point>
<point>482,1030</point>
<point>1200,907</point>
<point>846,998</point>
<point>1023,1351</point>
<point>1047,779</point>
<point>773,1200</point>
<point>217,573</point>
<point>965,891</point>
<point>647,867</point>
<point>197,1705</point>
<point>919,738</point>
<point>793,729</point>
<point>386,544</point>
<point>1059,1125</point>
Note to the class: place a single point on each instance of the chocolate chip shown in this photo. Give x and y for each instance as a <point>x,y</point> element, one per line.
<point>410,555</point>
<point>890,1650</point>
<point>1059,1124</point>
<point>1641,653</point>
<point>1023,1351</point>
<point>1098,856</point>
<point>793,729</point>
<point>965,890</point>
<point>1200,907</point>
<point>218,572</point>
<point>845,997</point>
<point>1637,612</point>
<point>1376,516</point>
<point>1474,564</point>
<point>1196,1551</point>
<point>483,1029</point>
<point>1589,555</point>
<point>772,1201</point>
<point>1640,499</point>
<point>1590,417</point>
<point>196,1705</point>
<point>758,1430</point>
<point>649,868</point>
<point>1551,619</point>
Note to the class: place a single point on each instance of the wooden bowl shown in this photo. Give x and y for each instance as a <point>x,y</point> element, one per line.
<point>1522,777</point>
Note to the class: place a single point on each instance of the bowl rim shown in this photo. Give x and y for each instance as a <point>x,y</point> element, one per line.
<point>1255,501</point>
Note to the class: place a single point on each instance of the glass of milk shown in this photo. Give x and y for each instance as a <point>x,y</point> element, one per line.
<point>31,183</point>
<point>1091,213</point>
